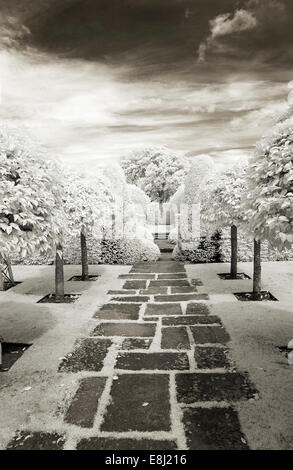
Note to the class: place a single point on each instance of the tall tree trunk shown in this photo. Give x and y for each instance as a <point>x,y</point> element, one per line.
<point>10,272</point>
<point>1,279</point>
<point>59,274</point>
<point>233,252</point>
<point>257,270</point>
<point>114,226</point>
<point>84,260</point>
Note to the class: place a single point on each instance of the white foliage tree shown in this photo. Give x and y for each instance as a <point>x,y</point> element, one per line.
<point>31,216</point>
<point>221,205</point>
<point>269,202</point>
<point>200,168</point>
<point>156,170</point>
<point>87,205</point>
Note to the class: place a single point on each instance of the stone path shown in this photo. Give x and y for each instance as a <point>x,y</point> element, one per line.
<point>154,372</point>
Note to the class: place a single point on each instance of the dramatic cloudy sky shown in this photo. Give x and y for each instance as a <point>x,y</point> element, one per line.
<point>93,79</point>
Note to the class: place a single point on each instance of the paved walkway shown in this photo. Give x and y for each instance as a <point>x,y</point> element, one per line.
<point>155,372</point>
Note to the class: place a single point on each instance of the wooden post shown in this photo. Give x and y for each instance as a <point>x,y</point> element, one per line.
<point>59,274</point>
<point>233,271</point>
<point>257,270</point>
<point>84,259</point>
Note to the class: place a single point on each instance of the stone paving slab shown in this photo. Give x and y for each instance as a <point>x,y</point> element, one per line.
<point>89,354</point>
<point>163,309</point>
<point>27,440</point>
<point>209,334</point>
<point>170,282</point>
<point>175,338</point>
<point>192,320</point>
<point>134,285</point>
<point>183,290</point>
<point>125,329</point>
<point>213,429</point>
<point>211,358</point>
<point>137,276</point>
<point>139,402</point>
<point>154,290</point>
<point>129,298</point>
<point>172,276</point>
<point>108,443</point>
<point>121,292</point>
<point>118,312</point>
<point>83,407</point>
<point>149,351</point>
<point>213,387</point>
<point>180,297</point>
<point>196,282</point>
<point>158,267</point>
<point>153,361</point>
<point>136,343</point>
<point>197,308</point>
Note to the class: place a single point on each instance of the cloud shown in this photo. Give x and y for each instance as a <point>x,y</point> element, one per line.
<point>226,25</point>
<point>12,32</point>
<point>90,111</point>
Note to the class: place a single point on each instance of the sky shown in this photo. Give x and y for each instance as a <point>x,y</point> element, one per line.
<point>92,80</point>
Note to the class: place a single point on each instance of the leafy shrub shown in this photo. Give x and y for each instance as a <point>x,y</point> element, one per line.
<point>173,235</point>
<point>208,251</point>
<point>128,251</point>
<point>245,249</point>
